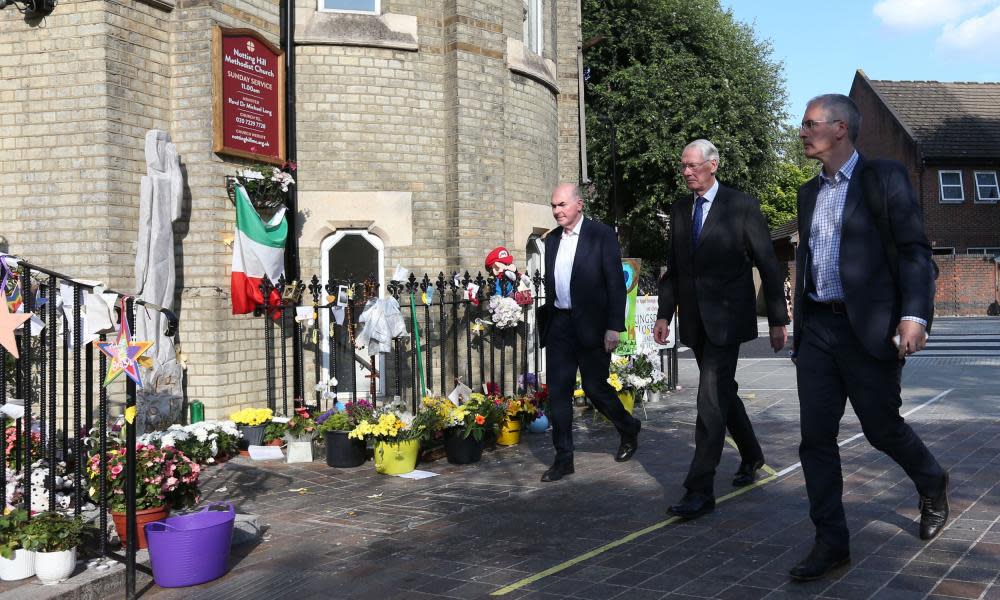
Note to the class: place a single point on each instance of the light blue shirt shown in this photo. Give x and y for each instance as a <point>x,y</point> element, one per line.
<point>709,199</point>
<point>824,235</point>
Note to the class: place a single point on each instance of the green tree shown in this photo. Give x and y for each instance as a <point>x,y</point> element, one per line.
<point>666,72</point>
<point>777,199</point>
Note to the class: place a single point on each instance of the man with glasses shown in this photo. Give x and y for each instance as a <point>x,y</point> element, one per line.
<point>853,295</point>
<point>719,234</point>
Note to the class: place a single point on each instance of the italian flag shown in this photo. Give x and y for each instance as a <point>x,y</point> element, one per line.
<point>258,252</point>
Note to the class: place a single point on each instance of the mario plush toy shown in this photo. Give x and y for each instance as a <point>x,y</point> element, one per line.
<point>508,282</point>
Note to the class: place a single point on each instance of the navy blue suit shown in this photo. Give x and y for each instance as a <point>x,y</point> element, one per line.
<point>847,352</point>
<point>574,339</point>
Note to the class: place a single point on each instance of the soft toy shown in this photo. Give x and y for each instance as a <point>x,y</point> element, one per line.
<point>509,282</point>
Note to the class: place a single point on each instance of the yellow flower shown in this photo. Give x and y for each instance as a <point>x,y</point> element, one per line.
<point>578,393</point>
<point>615,382</point>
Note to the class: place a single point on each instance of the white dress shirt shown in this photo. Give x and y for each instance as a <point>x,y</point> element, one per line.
<point>709,197</point>
<point>564,265</point>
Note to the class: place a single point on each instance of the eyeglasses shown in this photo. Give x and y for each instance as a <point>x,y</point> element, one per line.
<point>683,166</point>
<point>809,124</point>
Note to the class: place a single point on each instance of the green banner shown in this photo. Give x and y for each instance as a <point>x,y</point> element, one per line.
<point>630,270</point>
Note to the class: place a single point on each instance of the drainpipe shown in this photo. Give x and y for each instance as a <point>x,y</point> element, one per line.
<point>287,19</point>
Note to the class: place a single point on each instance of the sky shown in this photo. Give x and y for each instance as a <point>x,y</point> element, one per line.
<point>823,42</point>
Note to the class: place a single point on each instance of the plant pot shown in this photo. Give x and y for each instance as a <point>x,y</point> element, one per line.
<point>461,450</point>
<point>627,399</point>
<point>149,515</point>
<point>53,567</point>
<point>396,458</point>
<point>280,443</point>
<point>539,425</point>
<point>342,451</point>
<point>299,452</point>
<point>510,432</point>
<point>21,566</point>
<point>253,435</point>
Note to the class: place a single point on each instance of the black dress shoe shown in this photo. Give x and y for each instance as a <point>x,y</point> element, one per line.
<point>821,560</point>
<point>934,513</point>
<point>557,470</point>
<point>747,473</point>
<point>692,506</point>
<point>627,447</point>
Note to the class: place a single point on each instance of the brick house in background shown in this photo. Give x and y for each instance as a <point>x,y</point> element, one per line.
<point>948,137</point>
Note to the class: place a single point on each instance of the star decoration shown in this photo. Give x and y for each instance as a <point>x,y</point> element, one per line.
<point>8,323</point>
<point>125,354</point>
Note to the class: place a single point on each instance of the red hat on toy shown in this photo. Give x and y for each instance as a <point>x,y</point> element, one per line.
<point>499,255</point>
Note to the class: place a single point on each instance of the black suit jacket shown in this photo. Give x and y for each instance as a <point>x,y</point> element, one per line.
<point>875,303</point>
<point>597,283</point>
<point>713,284</point>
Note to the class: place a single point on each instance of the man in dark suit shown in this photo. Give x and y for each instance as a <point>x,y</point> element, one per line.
<point>849,305</point>
<point>719,234</point>
<point>584,314</point>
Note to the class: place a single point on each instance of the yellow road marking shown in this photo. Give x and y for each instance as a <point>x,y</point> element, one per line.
<point>624,540</point>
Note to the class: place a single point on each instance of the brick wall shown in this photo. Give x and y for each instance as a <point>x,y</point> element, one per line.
<point>966,285</point>
<point>969,224</point>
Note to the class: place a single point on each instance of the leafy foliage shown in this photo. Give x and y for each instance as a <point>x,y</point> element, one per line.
<point>666,72</point>
<point>52,532</point>
<point>11,526</point>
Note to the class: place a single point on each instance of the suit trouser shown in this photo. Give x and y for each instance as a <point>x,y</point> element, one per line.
<point>563,355</point>
<point>719,408</point>
<point>833,366</point>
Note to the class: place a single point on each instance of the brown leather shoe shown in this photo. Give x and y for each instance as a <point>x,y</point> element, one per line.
<point>934,512</point>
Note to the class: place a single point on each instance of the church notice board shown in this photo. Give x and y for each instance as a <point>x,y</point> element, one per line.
<point>248,96</point>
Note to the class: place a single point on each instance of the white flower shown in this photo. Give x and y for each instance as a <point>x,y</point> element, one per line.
<point>250,174</point>
<point>505,311</point>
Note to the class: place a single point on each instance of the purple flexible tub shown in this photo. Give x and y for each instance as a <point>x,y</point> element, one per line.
<point>191,549</point>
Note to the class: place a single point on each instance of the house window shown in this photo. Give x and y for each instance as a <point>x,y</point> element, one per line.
<point>533,25</point>
<point>986,187</point>
<point>350,6</point>
<point>349,256</point>
<point>984,251</point>
<point>943,251</point>
<point>951,186</point>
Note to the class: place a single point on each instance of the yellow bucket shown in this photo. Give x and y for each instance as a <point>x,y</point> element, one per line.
<point>396,458</point>
<point>510,432</point>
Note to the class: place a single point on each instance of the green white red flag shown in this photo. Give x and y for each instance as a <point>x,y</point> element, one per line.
<point>258,252</point>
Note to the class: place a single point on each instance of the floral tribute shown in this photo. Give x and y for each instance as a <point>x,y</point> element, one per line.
<point>505,312</point>
<point>267,185</point>
<point>637,373</point>
<point>164,477</point>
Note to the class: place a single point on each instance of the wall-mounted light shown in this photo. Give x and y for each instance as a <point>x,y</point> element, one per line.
<point>31,8</point>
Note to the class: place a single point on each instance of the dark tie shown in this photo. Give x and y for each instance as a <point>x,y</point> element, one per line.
<point>696,225</point>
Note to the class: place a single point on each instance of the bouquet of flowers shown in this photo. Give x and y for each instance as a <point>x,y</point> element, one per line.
<point>465,418</point>
<point>164,476</point>
<point>389,426</point>
<point>637,373</point>
<point>493,409</point>
<point>301,427</point>
<point>266,185</point>
<point>505,311</point>
<point>202,442</point>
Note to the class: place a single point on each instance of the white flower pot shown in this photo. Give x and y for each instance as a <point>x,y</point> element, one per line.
<point>21,566</point>
<point>53,567</point>
<point>300,452</point>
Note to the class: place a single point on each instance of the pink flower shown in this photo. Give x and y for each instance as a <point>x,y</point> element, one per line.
<point>115,470</point>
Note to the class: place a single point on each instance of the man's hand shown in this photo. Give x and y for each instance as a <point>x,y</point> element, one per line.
<point>779,336</point>
<point>661,331</point>
<point>912,337</point>
<point>611,338</point>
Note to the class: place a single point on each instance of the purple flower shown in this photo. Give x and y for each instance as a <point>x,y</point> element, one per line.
<point>325,416</point>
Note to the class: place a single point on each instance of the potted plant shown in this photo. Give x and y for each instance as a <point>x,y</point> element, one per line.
<point>16,562</point>
<point>518,412</point>
<point>540,401</point>
<point>165,478</point>
<point>274,433</point>
<point>252,422</point>
<point>53,537</point>
<point>299,431</point>
<point>396,439</point>
<point>341,451</point>
<point>494,410</point>
<point>464,430</point>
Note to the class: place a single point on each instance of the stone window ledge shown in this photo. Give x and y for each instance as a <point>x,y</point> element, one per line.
<point>523,61</point>
<point>388,30</point>
<point>167,5</point>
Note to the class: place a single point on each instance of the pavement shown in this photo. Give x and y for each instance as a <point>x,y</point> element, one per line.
<point>493,530</point>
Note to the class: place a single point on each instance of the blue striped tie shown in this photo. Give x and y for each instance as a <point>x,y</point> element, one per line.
<point>696,225</point>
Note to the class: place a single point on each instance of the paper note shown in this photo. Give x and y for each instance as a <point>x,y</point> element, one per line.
<point>417,474</point>
<point>265,453</point>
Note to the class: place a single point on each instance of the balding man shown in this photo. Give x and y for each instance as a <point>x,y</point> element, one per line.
<point>719,234</point>
<point>585,314</point>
